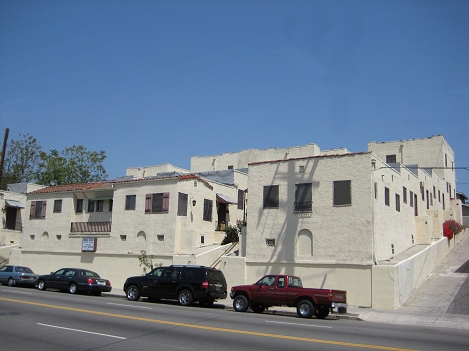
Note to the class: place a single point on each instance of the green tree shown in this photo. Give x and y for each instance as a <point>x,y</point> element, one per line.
<point>74,165</point>
<point>21,160</point>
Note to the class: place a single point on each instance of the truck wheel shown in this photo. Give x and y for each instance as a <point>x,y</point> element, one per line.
<point>258,308</point>
<point>132,293</point>
<point>305,309</point>
<point>322,312</point>
<point>240,303</point>
<point>185,298</point>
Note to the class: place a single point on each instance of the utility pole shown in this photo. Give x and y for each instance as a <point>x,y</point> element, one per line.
<point>2,161</point>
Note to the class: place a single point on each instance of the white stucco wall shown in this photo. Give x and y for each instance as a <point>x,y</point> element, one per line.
<point>241,159</point>
<point>148,171</point>
<point>339,233</point>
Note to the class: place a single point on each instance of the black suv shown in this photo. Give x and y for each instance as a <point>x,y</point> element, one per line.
<point>183,283</point>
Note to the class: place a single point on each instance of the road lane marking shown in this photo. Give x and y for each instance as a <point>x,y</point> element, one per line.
<point>81,331</point>
<point>224,330</point>
<point>120,304</point>
<point>300,324</point>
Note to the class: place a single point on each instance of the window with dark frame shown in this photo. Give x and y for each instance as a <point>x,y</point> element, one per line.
<point>271,196</point>
<point>79,208</point>
<point>398,203</point>
<point>240,199</point>
<point>111,203</point>
<point>391,159</point>
<point>208,209</point>
<point>91,205</point>
<point>342,193</point>
<point>303,198</point>
<point>386,196</point>
<point>182,204</point>
<point>130,202</point>
<point>57,206</point>
<point>411,199</point>
<point>404,194</point>
<point>157,203</point>
<point>99,205</point>
<point>38,210</point>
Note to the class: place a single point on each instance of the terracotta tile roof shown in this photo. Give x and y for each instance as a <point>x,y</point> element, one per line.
<point>178,177</point>
<point>67,188</point>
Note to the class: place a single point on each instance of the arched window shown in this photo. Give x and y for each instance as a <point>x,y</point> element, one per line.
<point>304,244</point>
<point>45,236</point>
<point>141,237</point>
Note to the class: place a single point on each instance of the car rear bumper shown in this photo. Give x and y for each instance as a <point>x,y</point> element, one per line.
<point>96,288</point>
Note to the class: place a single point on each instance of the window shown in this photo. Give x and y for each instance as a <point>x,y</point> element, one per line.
<point>411,198</point>
<point>99,205</point>
<point>439,196</point>
<point>404,194</point>
<point>57,206</point>
<point>240,199</point>
<point>79,208</point>
<point>434,192</point>
<point>376,190</point>
<point>157,203</point>
<point>271,196</point>
<point>422,193</point>
<point>230,167</point>
<point>398,203</point>
<point>91,205</point>
<point>391,159</point>
<point>301,169</point>
<point>182,204</point>
<point>58,237</point>
<point>303,198</point>
<point>386,196</point>
<point>38,210</point>
<point>111,203</point>
<point>208,207</point>
<point>130,201</point>
<point>123,237</point>
<point>342,193</point>
<point>270,242</point>
<point>160,237</point>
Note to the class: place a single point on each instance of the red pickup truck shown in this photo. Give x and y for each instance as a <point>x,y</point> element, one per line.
<point>286,290</point>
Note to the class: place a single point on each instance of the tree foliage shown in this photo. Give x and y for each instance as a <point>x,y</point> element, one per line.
<point>21,160</point>
<point>26,162</point>
<point>74,165</point>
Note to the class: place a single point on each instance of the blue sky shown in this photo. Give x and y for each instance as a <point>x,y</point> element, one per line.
<point>152,82</point>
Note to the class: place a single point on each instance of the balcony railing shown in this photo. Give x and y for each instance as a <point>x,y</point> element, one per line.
<point>303,207</point>
<point>90,227</point>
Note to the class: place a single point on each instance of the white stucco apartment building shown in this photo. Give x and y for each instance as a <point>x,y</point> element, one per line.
<point>367,222</point>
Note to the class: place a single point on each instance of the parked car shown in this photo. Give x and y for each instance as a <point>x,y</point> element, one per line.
<point>287,290</point>
<point>183,283</point>
<point>17,275</point>
<point>74,280</point>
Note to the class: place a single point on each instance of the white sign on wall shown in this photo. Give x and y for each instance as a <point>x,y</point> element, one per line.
<point>89,244</point>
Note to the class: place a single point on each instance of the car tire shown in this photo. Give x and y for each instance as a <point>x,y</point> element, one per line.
<point>322,312</point>
<point>72,288</point>
<point>41,285</point>
<point>185,297</point>
<point>305,309</point>
<point>240,303</point>
<point>132,293</point>
<point>11,282</point>
<point>258,308</point>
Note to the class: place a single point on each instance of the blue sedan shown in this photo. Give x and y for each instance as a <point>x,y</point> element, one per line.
<point>17,275</point>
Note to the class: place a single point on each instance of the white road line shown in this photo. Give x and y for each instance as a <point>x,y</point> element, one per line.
<point>120,304</point>
<point>304,325</point>
<point>81,331</point>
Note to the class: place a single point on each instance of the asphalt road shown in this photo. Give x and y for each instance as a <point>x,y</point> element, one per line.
<point>46,320</point>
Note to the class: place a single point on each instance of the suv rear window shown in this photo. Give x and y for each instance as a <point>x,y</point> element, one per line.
<point>215,276</point>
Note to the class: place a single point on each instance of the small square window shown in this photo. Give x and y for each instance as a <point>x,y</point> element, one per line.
<point>301,169</point>
<point>391,159</point>
<point>58,237</point>
<point>32,237</point>
<point>230,167</point>
<point>160,237</point>
<point>130,201</point>
<point>123,237</point>
<point>270,242</point>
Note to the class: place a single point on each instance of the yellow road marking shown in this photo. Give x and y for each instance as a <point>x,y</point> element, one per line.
<point>224,330</point>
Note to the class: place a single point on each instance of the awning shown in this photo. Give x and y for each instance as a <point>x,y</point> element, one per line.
<point>225,199</point>
<point>101,198</point>
<point>13,203</point>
